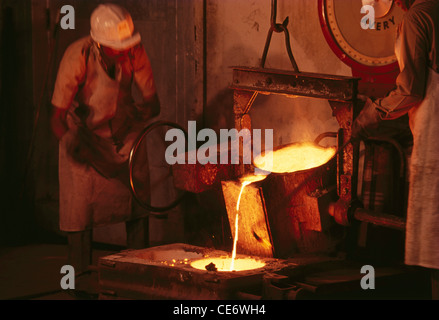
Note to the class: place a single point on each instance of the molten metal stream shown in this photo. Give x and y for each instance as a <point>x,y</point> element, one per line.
<point>289,159</point>
<point>227,263</point>
<point>235,240</point>
<point>247,180</point>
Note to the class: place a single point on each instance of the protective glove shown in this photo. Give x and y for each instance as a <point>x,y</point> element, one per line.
<point>89,149</point>
<point>366,124</point>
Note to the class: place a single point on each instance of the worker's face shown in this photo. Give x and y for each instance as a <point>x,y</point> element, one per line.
<point>113,54</point>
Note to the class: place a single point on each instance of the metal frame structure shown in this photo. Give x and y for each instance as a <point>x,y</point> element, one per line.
<point>341,93</point>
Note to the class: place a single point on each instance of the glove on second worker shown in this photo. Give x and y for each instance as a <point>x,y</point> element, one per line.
<point>366,124</point>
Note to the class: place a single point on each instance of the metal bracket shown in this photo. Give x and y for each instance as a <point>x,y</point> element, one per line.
<point>278,28</point>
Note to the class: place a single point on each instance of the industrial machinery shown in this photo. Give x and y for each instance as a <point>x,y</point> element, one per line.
<point>308,231</point>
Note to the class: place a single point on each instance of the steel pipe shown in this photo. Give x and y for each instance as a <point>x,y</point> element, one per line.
<point>380,219</point>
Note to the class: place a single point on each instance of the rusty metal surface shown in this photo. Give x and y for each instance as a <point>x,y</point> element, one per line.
<point>148,274</point>
<point>330,87</point>
<point>294,215</point>
<point>254,236</point>
<point>347,167</point>
<point>163,273</point>
<point>198,178</point>
<point>380,219</point>
<point>340,91</point>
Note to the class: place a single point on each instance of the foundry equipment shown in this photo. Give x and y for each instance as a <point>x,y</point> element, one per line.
<point>291,224</point>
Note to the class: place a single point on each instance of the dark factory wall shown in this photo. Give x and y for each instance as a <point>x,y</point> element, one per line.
<point>236,35</point>
<point>172,33</point>
<point>191,44</point>
<point>16,113</point>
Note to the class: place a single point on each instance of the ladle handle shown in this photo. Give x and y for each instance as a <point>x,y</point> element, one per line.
<point>324,135</point>
<point>339,150</point>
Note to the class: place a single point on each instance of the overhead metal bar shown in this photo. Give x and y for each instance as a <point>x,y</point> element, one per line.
<point>329,87</point>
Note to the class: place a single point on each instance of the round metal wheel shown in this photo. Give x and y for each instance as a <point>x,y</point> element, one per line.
<point>151,178</point>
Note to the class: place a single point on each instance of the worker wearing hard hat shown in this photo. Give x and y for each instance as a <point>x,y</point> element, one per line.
<point>97,117</point>
<point>416,93</point>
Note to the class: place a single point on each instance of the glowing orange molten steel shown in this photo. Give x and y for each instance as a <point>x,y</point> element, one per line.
<point>288,159</point>
<point>232,263</point>
<point>295,157</point>
<point>224,264</point>
<point>245,182</point>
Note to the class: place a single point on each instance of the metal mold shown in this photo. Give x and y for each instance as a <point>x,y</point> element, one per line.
<point>165,272</point>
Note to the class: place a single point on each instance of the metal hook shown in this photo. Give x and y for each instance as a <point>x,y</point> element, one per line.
<point>278,28</point>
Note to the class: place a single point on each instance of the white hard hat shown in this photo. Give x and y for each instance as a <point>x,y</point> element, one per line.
<point>112,26</point>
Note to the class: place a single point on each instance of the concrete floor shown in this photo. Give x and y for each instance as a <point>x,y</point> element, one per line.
<point>32,272</point>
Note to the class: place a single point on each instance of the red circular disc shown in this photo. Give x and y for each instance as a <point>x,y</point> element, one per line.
<point>349,41</point>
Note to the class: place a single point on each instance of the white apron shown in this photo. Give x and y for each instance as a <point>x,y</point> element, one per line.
<point>422,234</point>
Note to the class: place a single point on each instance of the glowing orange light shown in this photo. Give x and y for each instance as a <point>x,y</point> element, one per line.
<point>296,157</point>
<point>245,182</point>
<point>224,264</point>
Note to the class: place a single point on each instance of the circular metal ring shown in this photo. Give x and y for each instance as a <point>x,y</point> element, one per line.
<point>158,211</point>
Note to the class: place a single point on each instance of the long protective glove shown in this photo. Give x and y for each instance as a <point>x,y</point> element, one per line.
<point>367,123</point>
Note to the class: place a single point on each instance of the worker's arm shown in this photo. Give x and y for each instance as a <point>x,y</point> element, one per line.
<point>153,105</point>
<point>147,109</point>
<point>71,74</point>
<point>410,84</point>
<point>413,63</point>
<point>143,76</point>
